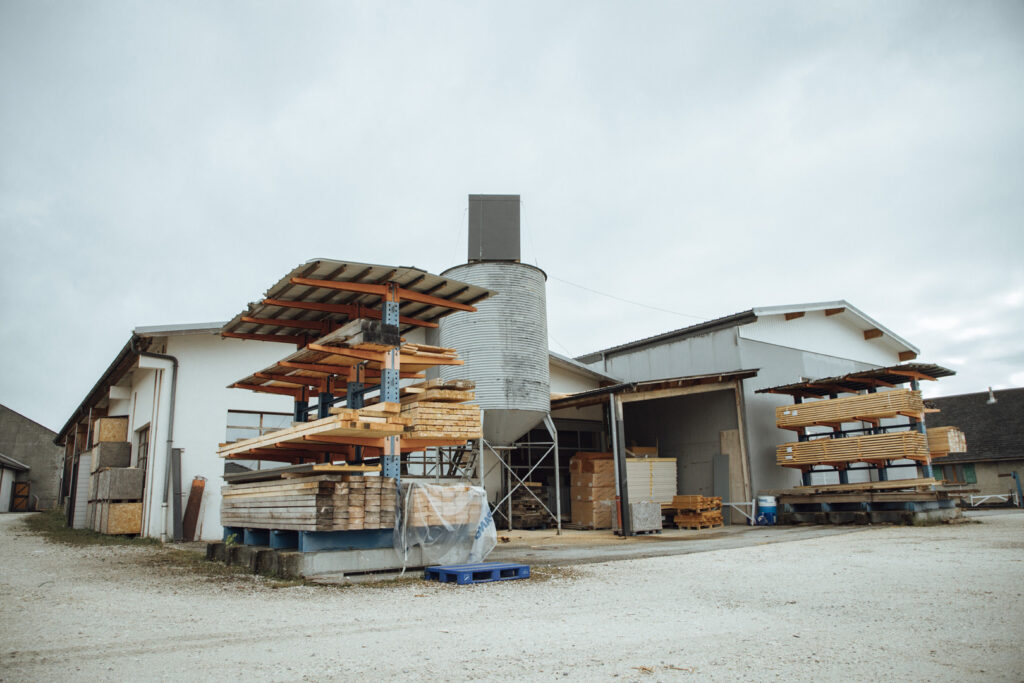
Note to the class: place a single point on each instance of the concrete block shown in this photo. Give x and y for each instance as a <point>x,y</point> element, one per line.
<point>111,454</point>
<point>121,483</point>
<point>216,552</point>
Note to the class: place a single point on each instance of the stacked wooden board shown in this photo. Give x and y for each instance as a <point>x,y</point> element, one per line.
<point>448,505</point>
<point>863,407</point>
<point>440,412</point>
<point>527,511</point>
<point>909,445</point>
<point>592,489</point>
<point>694,511</point>
<point>945,440</point>
<point>324,502</point>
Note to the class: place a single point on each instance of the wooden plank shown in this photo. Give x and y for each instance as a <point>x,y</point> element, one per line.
<point>910,445</point>
<point>884,404</point>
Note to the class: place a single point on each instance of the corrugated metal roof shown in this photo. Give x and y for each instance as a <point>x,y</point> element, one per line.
<point>595,396</point>
<point>861,381</point>
<point>325,304</point>
<point>750,316</point>
<point>178,330</point>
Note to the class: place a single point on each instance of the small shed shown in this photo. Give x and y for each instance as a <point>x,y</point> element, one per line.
<point>13,493</point>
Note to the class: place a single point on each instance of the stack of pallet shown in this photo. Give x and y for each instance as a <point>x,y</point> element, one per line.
<point>446,505</point>
<point>945,440</point>
<point>592,489</point>
<point>695,512</point>
<point>437,410</point>
<point>115,489</point>
<point>321,502</point>
<point>527,511</point>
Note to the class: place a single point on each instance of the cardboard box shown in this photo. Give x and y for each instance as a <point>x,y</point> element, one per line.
<point>591,493</point>
<point>596,515</point>
<point>591,463</point>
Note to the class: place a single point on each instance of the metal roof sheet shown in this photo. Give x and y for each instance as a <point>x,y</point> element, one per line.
<point>861,381</point>
<point>12,464</point>
<point>335,305</point>
<point>595,396</point>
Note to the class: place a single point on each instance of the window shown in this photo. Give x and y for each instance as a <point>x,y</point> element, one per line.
<point>142,449</point>
<point>249,424</point>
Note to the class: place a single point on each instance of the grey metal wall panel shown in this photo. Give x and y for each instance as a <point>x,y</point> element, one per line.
<point>493,227</point>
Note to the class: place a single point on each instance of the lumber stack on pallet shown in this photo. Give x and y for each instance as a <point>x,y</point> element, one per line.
<point>447,505</point>
<point>945,440</point>
<point>322,502</point>
<point>651,479</point>
<point>863,407</point>
<point>922,483</point>
<point>527,511</point>
<point>694,511</point>
<point>910,445</point>
<point>592,489</point>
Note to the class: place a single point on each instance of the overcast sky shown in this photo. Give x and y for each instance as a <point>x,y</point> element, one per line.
<point>167,162</point>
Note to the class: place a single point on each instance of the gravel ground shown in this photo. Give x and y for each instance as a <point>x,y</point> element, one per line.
<point>885,603</point>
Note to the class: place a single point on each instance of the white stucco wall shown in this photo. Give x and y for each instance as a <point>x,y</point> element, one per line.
<point>835,335</point>
<point>207,364</point>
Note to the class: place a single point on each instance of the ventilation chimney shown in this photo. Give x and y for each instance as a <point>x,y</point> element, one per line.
<point>493,227</point>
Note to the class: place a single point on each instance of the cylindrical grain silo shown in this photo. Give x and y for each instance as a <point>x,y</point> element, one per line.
<point>504,346</point>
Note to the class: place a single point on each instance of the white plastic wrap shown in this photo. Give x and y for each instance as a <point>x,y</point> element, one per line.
<point>452,523</point>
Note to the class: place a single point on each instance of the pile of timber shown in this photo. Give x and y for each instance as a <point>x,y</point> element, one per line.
<point>115,488</point>
<point>527,511</point>
<point>446,505</point>
<point>911,445</point>
<point>945,440</point>
<point>362,423</point>
<point>864,407</point>
<point>919,484</point>
<point>436,410</point>
<point>322,502</point>
<point>694,511</point>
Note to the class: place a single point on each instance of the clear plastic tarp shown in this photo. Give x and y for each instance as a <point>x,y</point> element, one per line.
<point>451,523</point>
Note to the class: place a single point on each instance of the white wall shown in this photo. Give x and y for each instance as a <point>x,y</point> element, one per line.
<point>834,335</point>
<point>207,365</point>
<point>6,485</point>
<point>714,352</point>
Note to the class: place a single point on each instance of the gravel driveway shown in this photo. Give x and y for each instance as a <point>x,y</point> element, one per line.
<point>906,603</point>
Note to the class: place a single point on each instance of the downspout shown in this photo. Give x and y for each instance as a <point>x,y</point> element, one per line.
<point>170,437</point>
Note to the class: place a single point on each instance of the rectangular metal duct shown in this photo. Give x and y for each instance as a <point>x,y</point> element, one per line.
<point>493,227</point>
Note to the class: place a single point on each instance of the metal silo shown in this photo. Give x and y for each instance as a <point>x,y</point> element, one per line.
<point>505,343</point>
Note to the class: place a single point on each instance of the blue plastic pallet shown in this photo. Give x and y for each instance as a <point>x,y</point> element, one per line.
<point>481,572</point>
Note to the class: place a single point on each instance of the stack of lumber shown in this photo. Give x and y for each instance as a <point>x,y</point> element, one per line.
<point>910,445</point>
<point>945,440</point>
<point>922,483</point>
<point>439,413</point>
<point>323,502</point>
<point>651,479</point>
<point>527,511</point>
<point>695,511</point>
<point>592,489</point>
<point>864,407</point>
<point>447,505</point>
<point>362,423</point>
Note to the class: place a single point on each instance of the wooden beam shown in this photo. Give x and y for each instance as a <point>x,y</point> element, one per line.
<point>300,381</point>
<point>361,354</point>
<point>914,374</point>
<point>873,333</point>
<point>381,290</point>
<point>834,311</point>
<point>351,310</point>
<point>287,339</point>
<point>294,393</point>
<point>907,355</point>
<point>794,316</point>
<point>320,326</point>
<point>346,440</point>
<point>315,367</point>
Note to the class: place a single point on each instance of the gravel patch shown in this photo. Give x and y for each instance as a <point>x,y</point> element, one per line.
<point>885,603</point>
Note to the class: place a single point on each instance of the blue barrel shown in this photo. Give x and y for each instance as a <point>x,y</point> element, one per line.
<point>766,510</point>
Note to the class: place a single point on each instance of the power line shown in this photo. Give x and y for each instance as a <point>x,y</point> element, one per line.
<point>628,301</point>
